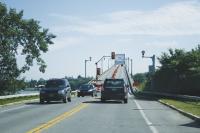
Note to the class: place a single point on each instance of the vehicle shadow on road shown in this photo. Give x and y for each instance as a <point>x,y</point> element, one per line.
<point>106,102</point>
<point>38,103</point>
<point>147,98</point>
<point>195,124</point>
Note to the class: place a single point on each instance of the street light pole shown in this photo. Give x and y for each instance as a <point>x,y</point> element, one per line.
<point>90,58</point>
<point>128,64</point>
<point>85,68</point>
<point>153,60</point>
<point>96,71</point>
<point>152,68</point>
<point>131,67</point>
<point>102,58</point>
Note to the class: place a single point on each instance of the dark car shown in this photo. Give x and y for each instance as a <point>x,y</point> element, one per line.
<point>86,90</point>
<point>55,90</point>
<point>114,89</point>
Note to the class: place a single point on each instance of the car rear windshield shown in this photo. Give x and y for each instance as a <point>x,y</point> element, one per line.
<point>114,83</point>
<point>85,87</point>
<point>55,83</point>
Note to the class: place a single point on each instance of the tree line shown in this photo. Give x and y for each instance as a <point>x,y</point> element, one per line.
<point>74,82</point>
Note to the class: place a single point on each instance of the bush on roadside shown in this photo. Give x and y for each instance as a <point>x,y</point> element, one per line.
<point>179,73</point>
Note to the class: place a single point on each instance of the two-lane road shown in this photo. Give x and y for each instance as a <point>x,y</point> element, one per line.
<point>89,115</point>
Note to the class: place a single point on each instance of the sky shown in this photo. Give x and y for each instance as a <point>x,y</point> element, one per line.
<point>95,28</point>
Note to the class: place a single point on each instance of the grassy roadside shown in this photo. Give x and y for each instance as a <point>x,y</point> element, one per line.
<point>192,107</point>
<point>16,99</point>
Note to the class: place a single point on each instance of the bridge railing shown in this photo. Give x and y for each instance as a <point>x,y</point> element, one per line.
<point>132,89</point>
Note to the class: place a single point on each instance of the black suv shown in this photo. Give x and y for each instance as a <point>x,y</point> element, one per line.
<point>55,90</point>
<point>114,89</point>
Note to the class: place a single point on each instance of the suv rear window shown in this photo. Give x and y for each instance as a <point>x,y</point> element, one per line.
<point>55,83</point>
<point>114,83</point>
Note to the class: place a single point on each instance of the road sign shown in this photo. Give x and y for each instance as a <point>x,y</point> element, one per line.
<point>119,59</point>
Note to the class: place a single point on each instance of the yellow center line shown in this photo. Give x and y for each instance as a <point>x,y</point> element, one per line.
<point>57,119</point>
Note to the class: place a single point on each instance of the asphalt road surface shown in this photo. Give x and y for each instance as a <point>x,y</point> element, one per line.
<point>89,115</point>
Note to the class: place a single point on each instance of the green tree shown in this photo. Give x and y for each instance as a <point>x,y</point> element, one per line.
<point>20,36</point>
<point>179,73</point>
<point>140,77</point>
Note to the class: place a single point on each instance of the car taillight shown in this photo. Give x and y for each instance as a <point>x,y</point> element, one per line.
<point>125,89</point>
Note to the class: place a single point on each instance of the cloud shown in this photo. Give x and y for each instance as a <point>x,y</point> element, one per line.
<point>63,42</point>
<point>162,44</point>
<point>180,18</point>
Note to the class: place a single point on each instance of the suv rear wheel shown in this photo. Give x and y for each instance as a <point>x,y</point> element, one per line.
<point>41,101</point>
<point>69,99</point>
<point>126,100</point>
<point>103,100</point>
<point>64,100</point>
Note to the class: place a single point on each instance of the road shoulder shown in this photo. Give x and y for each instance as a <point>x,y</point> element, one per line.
<point>187,114</point>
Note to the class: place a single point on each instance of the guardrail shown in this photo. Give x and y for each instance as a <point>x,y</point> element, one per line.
<point>29,94</point>
<point>19,95</point>
<point>195,98</point>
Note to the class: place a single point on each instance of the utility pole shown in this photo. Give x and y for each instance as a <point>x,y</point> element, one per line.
<point>108,63</point>
<point>90,58</point>
<point>128,64</point>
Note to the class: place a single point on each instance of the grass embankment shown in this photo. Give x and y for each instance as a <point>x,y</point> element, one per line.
<point>192,107</point>
<point>17,99</point>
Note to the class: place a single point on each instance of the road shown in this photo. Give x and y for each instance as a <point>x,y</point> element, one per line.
<point>89,115</point>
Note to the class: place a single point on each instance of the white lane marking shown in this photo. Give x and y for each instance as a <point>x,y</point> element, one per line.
<point>20,107</point>
<point>149,123</point>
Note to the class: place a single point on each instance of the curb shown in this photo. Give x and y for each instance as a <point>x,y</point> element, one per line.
<point>194,117</point>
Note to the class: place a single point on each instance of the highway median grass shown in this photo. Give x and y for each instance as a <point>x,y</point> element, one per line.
<point>188,106</point>
<point>17,99</point>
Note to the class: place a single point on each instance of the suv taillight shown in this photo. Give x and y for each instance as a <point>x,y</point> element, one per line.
<point>125,89</point>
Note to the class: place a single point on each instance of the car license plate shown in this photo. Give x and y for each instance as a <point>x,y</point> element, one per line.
<point>114,89</point>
